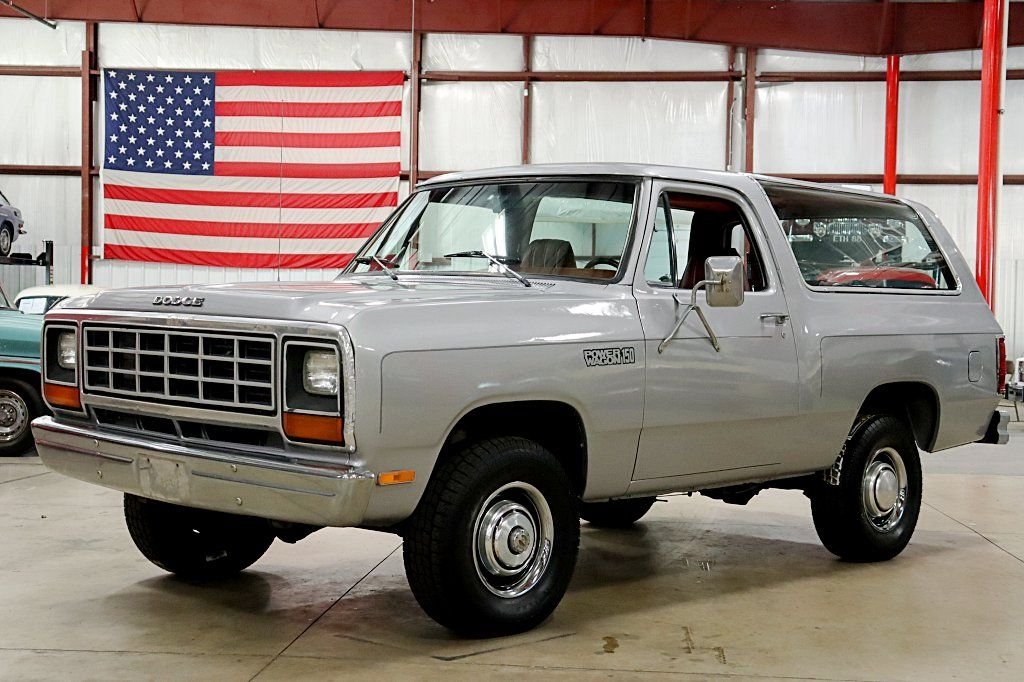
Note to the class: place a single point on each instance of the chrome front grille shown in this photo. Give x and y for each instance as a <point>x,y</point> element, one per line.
<point>207,368</point>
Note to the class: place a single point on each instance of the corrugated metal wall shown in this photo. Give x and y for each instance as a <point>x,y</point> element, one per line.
<point>800,127</point>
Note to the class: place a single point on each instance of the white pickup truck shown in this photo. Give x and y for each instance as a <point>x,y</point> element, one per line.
<point>520,348</point>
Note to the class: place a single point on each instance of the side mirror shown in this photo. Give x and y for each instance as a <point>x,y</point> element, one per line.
<point>724,276</point>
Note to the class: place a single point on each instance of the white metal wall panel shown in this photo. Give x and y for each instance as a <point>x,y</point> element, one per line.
<point>562,53</point>
<point>50,205</point>
<point>40,120</point>
<point>218,47</point>
<point>28,43</point>
<point>819,128</point>
<point>938,127</point>
<point>457,52</point>
<point>785,60</point>
<point>469,125</point>
<point>672,123</point>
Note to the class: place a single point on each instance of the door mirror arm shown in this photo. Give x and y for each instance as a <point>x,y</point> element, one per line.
<point>687,309</point>
<point>723,279</point>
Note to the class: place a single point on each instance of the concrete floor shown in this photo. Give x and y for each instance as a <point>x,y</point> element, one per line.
<point>698,590</point>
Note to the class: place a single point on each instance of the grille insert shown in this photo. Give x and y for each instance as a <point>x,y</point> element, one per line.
<point>206,368</point>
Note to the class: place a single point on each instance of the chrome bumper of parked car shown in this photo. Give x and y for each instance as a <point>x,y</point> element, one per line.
<point>998,432</point>
<point>313,493</point>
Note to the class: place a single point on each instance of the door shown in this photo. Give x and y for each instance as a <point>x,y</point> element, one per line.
<point>714,416</point>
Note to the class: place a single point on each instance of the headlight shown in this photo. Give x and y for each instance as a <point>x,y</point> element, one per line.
<point>320,372</point>
<point>67,350</point>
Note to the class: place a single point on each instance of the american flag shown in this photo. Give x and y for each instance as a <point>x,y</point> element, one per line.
<point>253,169</point>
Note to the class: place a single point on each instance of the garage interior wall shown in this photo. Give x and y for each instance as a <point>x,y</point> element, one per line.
<point>800,127</point>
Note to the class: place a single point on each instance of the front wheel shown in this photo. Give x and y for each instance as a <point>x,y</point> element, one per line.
<point>493,543</point>
<point>872,512</point>
<point>195,543</point>
<point>19,405</point>
<point>6,239</point>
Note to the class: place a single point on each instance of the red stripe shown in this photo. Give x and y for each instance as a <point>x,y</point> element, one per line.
<point>309,109</point>
<point>228,260</point>
<point>312,79</point>
<point>252,169</point>
<point>249,199</point>
<point>200,228</point>
<point>309,140</point>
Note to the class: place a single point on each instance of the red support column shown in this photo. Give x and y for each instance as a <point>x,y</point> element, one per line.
<point>892,111</point>
<point>993,46</point>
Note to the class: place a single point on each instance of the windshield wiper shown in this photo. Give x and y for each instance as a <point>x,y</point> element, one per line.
<point>500,262</point>
<point>385,264</point>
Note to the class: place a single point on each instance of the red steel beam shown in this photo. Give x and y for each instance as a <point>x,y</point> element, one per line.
<point>415,85</point>
<point>856,27</point>
<point>583,76</point>
<point>527,99</point>
<point>749,97</point>
<point>892,112</point>
<point>28,169</point>
<point>989,177</point>
<point>876,76</point>
<point>73,71</point>
<point>88,96</point>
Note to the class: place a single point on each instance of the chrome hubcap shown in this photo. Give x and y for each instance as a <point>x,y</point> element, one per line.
<point>13,416</point>
<point>514,532</point>
<point>884,489</point>
<point>5,241</point>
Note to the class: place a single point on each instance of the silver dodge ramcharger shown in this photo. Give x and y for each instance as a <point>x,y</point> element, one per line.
<point>517,349</point>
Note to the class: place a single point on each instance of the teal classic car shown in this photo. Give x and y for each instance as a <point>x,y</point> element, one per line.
<point>20,402</point>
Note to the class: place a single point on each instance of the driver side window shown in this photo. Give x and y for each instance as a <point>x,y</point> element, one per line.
<point>689,229</point>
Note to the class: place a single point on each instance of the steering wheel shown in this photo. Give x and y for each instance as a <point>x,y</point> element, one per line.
<point>602,260</point>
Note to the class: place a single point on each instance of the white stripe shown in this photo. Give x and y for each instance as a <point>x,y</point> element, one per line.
<point>155,240</point>
<point>308,154</point>
<point>274,124</point>
<point>254,185</point>
<point>244,214</point>
<point>275,93</point>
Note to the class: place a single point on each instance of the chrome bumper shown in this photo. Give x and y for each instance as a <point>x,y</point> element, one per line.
<point>998,432</point>
<point>302,493</point>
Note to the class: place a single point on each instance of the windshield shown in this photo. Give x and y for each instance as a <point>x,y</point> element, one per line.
<point>573,229</point>
<point>37,305</point>
<point>4,303</point>
<point>4,200</point>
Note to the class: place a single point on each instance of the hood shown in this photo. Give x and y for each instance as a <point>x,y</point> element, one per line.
<point>20,334</point>
<point>334,302</point>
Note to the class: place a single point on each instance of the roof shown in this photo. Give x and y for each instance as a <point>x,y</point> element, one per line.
<point>865,27</point>
<point>633,170</point>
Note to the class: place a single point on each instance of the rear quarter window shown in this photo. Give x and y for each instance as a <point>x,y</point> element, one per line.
<point>844,241</point>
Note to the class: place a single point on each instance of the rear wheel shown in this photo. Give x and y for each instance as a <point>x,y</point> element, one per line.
<point>195,543</point>
<point>493,543</point>
<point>19,405</point>
<point>871,514</point>
<point>616,513</point>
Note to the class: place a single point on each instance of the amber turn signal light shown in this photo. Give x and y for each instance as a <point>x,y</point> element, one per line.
<point>62,396</point>
<point>394,477</point>
<point>314,428</point>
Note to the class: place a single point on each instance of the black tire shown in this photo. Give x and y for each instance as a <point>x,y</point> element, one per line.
<point>195,543</point>
<point>446,562</point>
<point>6,245</point>
<point>847,523</point>
<point>616,513</point>
<point>19,405</point>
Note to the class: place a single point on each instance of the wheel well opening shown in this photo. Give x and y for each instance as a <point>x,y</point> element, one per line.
<point>914,401</point>
<point>556,426</point>
<point>28,376</point>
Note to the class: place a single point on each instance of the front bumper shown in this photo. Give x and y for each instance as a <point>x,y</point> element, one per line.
<point>311,493</point>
